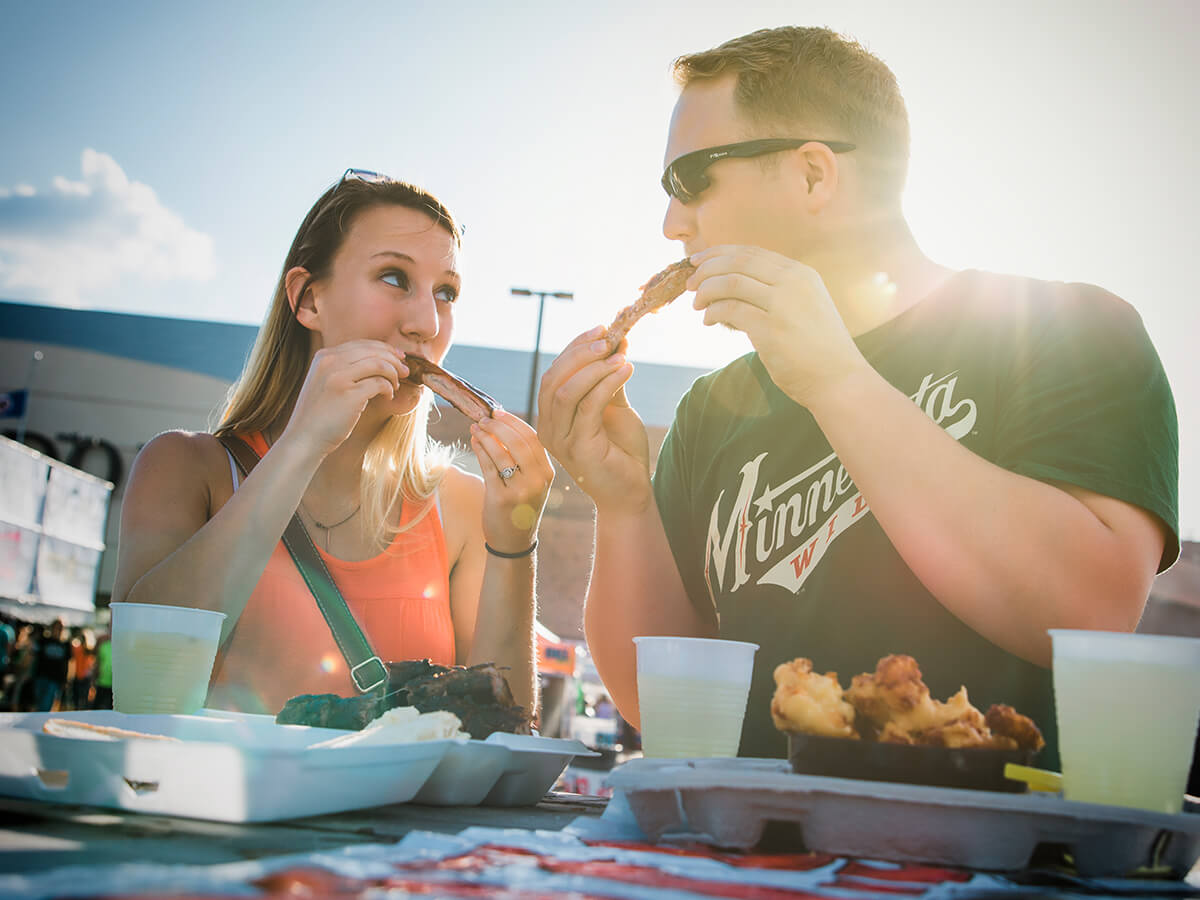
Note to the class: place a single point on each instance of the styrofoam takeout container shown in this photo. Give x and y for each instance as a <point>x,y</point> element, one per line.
<point>728,803</point>
<point>503,770</point>
<point>534,764</point>
<point>235,769</point>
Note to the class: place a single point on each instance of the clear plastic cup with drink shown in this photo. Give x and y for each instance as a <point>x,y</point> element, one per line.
<point>162,657</point>
<point>692,694</point>
<point>1128,707</point>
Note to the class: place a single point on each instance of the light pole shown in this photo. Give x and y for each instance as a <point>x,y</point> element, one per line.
<point>537,342</point>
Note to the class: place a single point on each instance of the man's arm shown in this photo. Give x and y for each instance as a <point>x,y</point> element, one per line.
<point>586,422</point>
<point>1009,555</point>
<point>635,590</point>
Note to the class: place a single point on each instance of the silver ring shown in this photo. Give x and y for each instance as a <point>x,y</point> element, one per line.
<point>509,471</point>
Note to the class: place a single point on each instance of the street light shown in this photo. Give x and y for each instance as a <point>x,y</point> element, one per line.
<point>537,342</point>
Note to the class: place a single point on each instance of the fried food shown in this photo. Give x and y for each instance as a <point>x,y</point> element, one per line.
<point>893,705</point>
<point>1006,722</point>
<point>810,703</point>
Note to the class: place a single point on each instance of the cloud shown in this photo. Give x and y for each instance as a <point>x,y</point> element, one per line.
<point>66,245</point>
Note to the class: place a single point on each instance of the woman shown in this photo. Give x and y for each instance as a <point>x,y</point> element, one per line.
<point>433,561</point>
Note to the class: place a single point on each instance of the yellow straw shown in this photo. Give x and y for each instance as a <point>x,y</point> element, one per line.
<point>1037,779</point>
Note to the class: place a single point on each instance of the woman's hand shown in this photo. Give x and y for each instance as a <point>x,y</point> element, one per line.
<point>341,381</point>
<point>512,506</point>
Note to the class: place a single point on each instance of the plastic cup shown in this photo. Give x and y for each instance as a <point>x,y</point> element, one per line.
<point>1127,708</point>
<point>692,695</point>
<point>162,657</point>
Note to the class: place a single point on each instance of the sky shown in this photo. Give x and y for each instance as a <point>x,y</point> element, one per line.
<point>157,158</point>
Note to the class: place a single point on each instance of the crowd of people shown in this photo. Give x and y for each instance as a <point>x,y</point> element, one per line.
<point>47,668</point>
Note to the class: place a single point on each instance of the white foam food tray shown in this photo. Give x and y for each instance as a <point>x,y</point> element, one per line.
<point>503,770</point>
<point>229,769</point>
<point>729,802</point>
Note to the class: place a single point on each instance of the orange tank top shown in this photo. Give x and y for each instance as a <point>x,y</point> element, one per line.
<point>281,645</point>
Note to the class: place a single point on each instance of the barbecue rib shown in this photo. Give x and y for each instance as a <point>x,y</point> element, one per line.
<point>466,398</point>
<point>478,695</point>
<point>658,292</point>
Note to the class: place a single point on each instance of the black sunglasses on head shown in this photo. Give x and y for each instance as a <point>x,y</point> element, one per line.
<point>686,177</point>
<point>363,175</point>
<point>377,178</point>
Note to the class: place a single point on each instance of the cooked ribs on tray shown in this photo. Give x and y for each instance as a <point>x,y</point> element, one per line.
<point>478,695</point>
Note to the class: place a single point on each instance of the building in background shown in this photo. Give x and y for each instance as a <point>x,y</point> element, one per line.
<point>107,383</point>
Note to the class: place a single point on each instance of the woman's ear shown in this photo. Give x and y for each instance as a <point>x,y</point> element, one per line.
<point>298,284</point>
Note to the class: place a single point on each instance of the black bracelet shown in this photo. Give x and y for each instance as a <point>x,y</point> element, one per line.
<point>492,550</point>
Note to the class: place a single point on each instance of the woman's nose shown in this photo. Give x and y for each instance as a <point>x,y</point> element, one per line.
<point>420,317</point>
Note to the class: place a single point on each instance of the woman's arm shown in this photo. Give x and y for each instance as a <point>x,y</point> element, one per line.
<point>182,544</point>
<point>492,599</point>
<point>492,596</point>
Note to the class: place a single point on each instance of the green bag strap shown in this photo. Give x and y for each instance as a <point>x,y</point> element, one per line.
<point>367,670</point>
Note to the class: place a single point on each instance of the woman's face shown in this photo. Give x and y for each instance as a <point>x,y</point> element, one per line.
<point>395,279</point>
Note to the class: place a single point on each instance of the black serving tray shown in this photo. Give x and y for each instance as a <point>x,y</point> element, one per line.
<point>974,768</point>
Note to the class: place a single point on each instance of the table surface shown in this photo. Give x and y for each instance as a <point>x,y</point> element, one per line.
<point>37,836</point>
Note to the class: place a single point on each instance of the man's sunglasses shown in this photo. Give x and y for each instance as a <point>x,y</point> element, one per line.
<point>686,177</point>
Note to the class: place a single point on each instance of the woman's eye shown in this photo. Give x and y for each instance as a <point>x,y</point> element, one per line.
<point>395,279</point>
<point>446,294</point>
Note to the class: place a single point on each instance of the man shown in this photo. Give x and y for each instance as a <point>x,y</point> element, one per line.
<point>913,460</point>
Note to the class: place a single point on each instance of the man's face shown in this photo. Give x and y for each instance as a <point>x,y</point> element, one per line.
<point>745,202</point>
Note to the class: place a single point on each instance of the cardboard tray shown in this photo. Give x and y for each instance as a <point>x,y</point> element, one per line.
<point>729,802</point>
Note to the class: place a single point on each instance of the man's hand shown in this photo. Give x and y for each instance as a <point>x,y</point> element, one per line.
<point>784,308</point>
<point>587,424</point>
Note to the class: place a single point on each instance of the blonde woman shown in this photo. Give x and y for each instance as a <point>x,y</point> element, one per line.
<point>432,561</point>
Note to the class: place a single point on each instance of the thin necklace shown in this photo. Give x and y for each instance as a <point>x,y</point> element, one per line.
<point>329,528</point>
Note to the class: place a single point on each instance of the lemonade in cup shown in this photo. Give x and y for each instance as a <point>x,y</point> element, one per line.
<point>162,657</point>
<point>692,694</point>
<point>1127,708</point>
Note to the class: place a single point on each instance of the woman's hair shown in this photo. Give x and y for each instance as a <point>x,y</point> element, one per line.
<point>816,79</point>
<point>401,461</point>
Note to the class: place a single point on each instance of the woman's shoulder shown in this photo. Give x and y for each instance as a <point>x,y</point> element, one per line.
<point>190,455</point>
<point>184,448</point>
<point>460,488</point>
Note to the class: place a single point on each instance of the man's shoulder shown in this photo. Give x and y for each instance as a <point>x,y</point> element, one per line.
<point>740,371</point>
<point>732,387</point>
<point>994,293</point>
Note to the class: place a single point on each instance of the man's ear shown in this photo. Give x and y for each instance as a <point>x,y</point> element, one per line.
<point>298,284</point>
<point>819,169</point>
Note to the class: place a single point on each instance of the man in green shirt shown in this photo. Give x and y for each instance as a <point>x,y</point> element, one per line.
<point>913,460</point>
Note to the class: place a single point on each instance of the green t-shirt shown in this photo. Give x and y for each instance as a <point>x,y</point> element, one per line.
<point>1057,382</point>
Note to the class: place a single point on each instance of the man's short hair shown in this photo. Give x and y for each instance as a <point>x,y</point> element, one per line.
<point>818,80</point>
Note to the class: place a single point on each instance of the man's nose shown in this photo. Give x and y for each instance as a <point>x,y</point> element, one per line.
<point>678,223</point>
